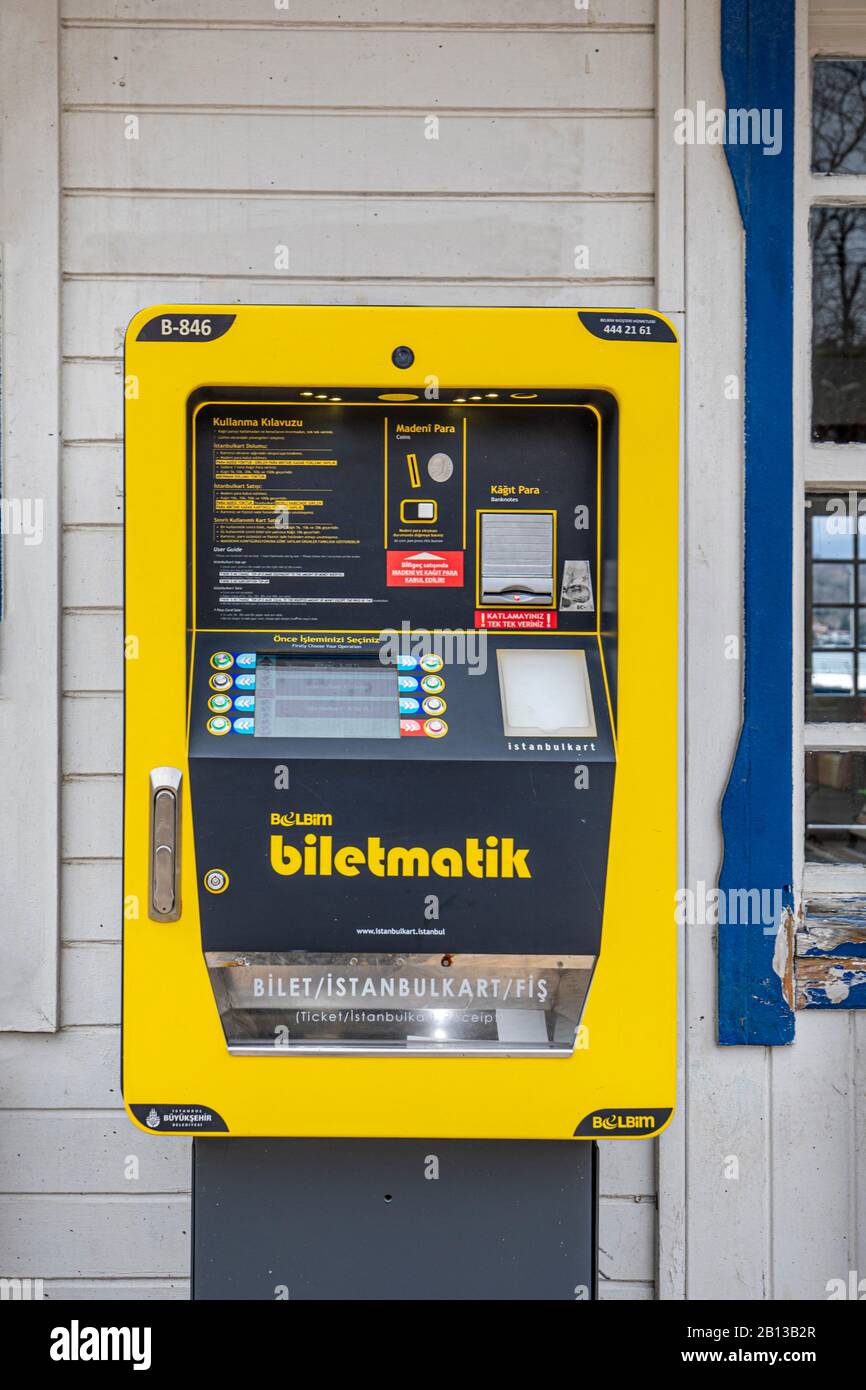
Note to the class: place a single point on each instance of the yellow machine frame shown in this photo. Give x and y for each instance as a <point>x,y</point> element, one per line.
<point>173,1044</point>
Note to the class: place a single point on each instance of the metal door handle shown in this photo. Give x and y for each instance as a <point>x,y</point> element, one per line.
<point>164,898</point>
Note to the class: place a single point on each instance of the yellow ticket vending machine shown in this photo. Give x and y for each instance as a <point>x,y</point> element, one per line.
<point>400,812</point>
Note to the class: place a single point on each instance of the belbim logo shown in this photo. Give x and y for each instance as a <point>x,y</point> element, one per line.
<point>289,818</point>
<point>490,858</point>
<point>615,1121</point>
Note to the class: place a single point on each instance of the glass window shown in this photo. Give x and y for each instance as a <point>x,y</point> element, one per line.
<point>836,807</point>
<point>839,324</point>
<point>839,116</point>
<point>836,607</point>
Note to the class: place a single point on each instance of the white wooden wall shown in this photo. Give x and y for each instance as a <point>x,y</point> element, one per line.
<point>260,128</point>
<point>793,1214</point>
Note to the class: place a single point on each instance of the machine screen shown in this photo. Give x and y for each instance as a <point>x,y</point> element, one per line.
<point>325,699</point>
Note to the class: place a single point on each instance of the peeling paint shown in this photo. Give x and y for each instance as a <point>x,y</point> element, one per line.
<point>831,982</point>
<point>783,955</point>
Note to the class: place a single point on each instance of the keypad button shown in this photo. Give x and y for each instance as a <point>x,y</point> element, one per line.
<point>219,703</point>
<point>432,685</point>
<point>431,663</point>
<point>219,725</point>
<point>221,661</point>
<point>434,704</point>
<point>221,681</point>
<point>435,728</point>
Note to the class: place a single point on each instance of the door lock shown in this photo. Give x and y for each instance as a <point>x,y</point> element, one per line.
<point>164,897</point>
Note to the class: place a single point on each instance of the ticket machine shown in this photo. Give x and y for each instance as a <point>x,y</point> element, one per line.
<point>400,832</point>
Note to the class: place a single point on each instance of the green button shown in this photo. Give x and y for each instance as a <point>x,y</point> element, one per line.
<point>219,703</point>
<point>218,725</point>
<point>221,660</point>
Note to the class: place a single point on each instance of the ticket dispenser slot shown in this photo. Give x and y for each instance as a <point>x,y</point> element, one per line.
<point>399,817</point>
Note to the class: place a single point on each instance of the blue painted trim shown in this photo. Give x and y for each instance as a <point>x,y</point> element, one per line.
<point>758,57</point>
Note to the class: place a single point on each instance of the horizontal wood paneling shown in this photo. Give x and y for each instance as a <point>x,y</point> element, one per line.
<point>96,311</point>
<point>258,106</point>
<point>492,12</point>
<point>93,556</point>
<point>339,237</point>
<point>92,734</point>
<point>90,896</point>
<point>92,485</point>
<point>365,154</point>
<point>140,67</point>
<point>626,1168</point>
<point>92,651</point>
<point>626,1234</point>
<point>89,985</point>
<point>610,1291</point>
<point>92,818</point>
<point>78,1153</point>
<point>71,1237</point>
<point>78,1068</point>
<point>117,1290</point>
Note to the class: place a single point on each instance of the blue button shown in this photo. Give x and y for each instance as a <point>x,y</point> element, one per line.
<point>245,660</point>
<point>245,682</point>
<point>243,726</point>
<point>407,663</point>
<point>245,702</point>
<point>409,706</point>
<point>403,682</point>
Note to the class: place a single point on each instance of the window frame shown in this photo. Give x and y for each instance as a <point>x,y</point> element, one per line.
<point>819,467</point>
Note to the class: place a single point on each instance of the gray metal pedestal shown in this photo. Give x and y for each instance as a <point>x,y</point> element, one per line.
<point>346,1219</point>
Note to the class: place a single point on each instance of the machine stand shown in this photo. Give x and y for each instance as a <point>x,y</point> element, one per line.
<point>368,1219</point>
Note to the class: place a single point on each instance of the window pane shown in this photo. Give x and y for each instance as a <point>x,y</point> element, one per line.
<point>839,324</point>
<point>833,535</point>
<point>835,607</point>
<point>839,116</point>
<point>833,627</point>
<point>833,583</point>
<point>836,808</point>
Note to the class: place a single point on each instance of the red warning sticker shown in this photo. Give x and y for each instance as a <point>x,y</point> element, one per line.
<point>515,620</point>
<point>425,569</point>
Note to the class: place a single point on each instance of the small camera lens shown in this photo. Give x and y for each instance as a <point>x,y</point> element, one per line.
<point>402,357</point>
